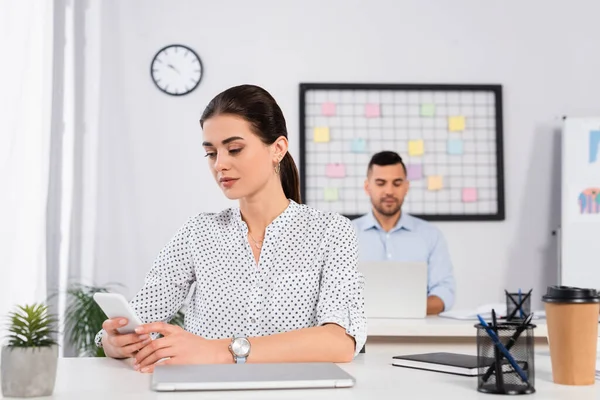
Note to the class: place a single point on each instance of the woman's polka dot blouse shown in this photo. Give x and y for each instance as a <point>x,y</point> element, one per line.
<point>306,276</point>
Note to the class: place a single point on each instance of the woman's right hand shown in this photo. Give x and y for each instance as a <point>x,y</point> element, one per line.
<point>121,345</point>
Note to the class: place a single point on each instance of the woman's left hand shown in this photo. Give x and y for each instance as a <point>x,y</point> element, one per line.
<point>178,346</point>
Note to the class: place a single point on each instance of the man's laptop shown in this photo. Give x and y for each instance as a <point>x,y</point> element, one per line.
<point>395,289</point>
<point>249,376</point>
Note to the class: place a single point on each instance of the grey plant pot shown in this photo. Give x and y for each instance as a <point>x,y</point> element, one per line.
<point>28,372</point>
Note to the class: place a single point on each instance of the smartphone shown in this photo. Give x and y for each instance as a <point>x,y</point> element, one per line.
<point>115,305</point>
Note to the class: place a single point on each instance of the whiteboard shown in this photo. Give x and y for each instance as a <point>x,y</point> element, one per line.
<point>580,203</point>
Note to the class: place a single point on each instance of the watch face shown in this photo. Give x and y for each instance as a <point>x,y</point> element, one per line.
<point>176,70</point>
<point>240,347</point>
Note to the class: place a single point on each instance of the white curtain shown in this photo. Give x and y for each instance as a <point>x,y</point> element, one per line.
<point>72,188</point>
<point>25,117</point>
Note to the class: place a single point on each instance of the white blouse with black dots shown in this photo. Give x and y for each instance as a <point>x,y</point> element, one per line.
<point>306,276</point>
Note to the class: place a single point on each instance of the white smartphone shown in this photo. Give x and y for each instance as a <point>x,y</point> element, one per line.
<point>115,305</point>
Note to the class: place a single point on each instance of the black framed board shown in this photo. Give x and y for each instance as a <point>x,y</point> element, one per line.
<point>449,136</point>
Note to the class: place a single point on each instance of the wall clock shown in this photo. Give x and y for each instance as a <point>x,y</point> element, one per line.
<point>176,70</point>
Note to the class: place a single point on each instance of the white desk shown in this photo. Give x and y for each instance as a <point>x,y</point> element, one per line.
<point>433,327</point>
<point>99,378</point>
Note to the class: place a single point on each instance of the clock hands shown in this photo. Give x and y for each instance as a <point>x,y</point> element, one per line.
<point>173,68</point>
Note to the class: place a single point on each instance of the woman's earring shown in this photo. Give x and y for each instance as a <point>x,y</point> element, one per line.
<point>278,168</point>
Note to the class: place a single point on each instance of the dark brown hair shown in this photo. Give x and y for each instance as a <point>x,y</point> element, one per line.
<point>259,108</point>
<point>384,158</point>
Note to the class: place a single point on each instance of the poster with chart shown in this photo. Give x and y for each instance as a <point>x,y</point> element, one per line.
<point>580,202</point>
<point>449,136</point>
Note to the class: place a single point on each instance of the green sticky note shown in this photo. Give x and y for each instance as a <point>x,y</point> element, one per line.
<point>331,194</point>
<point>427,110</point>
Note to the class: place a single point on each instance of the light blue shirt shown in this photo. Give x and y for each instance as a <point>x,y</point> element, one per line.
<point>412,239</point>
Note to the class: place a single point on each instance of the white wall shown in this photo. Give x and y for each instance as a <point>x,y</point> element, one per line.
<point>151,172</point>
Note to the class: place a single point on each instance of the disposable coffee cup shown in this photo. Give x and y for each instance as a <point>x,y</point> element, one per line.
<point>572,318</point>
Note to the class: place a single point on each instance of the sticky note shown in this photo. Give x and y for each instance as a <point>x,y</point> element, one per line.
<point>335,170</point>
<point>435,182</point>
<point>372,110</point>
<point>415,147</point>
<point>331,194</point>
<point>321,134</point>
<point>414,172</point>
<point>469,195</point>
<point>456,124</point>
<point>358,145</point>
<point>427,110</point>
<point>594,143</point>
<point>328,109</point>
<point>455,146</point>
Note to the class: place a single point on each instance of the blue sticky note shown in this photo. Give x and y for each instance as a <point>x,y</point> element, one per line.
<point>455,146</point>
<point>359,145</point>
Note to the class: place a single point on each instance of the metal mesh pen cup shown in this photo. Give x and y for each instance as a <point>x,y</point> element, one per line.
<point>512,311</point>
<point>517,374</point>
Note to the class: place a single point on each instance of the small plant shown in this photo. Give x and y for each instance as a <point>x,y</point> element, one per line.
<point>31,326</point>
<point>83,319</point>
<point>178,319</point>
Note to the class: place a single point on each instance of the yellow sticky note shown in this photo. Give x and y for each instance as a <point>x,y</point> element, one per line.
<point>456,123</point>
<point>415,147</point>
<point>321,134</point>
<point>435,182</point>
<point>331,194</point>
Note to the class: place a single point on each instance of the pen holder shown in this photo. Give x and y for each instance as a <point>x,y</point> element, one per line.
<point>511,380</point>
<point>514,299</point>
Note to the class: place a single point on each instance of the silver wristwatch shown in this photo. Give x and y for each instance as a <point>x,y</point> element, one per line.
<point>240,349</point>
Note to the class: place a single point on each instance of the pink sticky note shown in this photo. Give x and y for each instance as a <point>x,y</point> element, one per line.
<point>469,195</point>
<point>328,109</point>
<point>372,110</point>
<point>335,170</point>
<point>414,172</point>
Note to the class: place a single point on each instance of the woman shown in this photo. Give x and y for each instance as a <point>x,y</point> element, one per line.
<point>276,281</point>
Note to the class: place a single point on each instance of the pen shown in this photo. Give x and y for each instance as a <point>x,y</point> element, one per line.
<point>497,358</point>
<point>499,345</point>
<point>511,342</point>
<point>520,305</point>
<point>512,314</point>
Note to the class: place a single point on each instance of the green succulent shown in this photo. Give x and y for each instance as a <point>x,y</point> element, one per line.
<point>31,326</point>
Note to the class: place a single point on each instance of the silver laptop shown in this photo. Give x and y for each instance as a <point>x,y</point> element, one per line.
<point>250,376</point>
<point>395,289</point>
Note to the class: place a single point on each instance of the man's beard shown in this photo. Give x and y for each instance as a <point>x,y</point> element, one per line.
<point>388,212</point>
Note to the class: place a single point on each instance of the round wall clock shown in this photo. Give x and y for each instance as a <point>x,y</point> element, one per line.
<point>176,70</point>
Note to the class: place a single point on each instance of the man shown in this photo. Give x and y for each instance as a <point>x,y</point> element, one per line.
<point>386,233</point>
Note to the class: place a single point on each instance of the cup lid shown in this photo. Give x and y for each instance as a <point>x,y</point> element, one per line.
<point>569,294</point>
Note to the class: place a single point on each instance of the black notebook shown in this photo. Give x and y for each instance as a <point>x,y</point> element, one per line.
<point>451,363</point>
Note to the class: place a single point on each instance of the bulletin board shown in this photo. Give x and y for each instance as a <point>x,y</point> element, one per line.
<point>449,137</point>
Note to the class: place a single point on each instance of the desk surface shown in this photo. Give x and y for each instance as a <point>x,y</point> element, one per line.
<point>100,378</point>
<point>433,327</point>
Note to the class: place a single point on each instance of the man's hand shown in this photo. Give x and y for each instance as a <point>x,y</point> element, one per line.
<point>178,346</point>
<point>435,305</point>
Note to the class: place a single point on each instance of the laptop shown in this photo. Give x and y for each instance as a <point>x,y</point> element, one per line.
<point>249,376</point>
<point>395,289</point>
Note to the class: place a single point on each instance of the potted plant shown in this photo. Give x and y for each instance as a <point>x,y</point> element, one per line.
<point>28,365</point>
<point>83,319</point>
